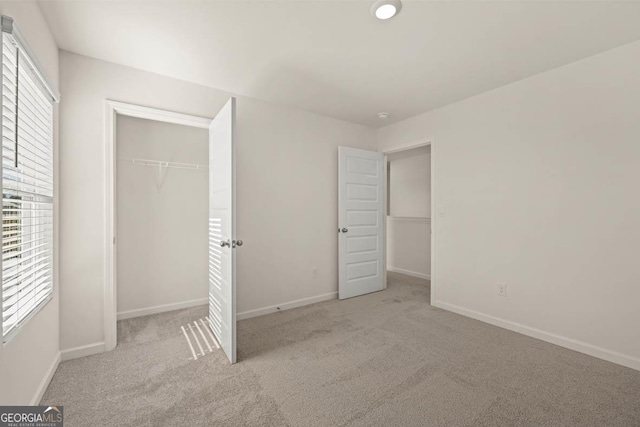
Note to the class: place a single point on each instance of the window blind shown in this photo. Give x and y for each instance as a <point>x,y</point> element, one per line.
<point>27,188</point>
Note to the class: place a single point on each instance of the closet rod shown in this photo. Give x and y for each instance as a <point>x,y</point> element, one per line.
<point>162,163</point>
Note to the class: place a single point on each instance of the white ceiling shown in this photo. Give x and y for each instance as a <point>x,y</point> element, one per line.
<point>333,57</point>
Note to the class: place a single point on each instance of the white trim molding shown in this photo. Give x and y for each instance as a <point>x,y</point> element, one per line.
<point>83,350</point>
<point>409,273</point>
<point>37,397</point>
<point>408,218</point>
<point>110,288</point>
<point>149,113</point>
<point>286,306</point>
<point>582,347</point>
<point>408,146</point>
<point>112,109</point>
<point>130,314</point>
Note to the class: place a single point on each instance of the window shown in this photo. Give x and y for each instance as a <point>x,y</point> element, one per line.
<point>27,183</point>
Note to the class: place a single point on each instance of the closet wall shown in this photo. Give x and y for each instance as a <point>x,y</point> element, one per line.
<point>161,217</point>
<point>409,223</point>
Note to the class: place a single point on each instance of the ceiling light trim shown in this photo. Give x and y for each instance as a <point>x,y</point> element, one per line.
<point>386,9</point>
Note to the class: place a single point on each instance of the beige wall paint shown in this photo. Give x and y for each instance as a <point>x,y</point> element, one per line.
<point>161,221</point>
<point>538,184</point>
<point>288,202</point>
<point>409,245</point>
<point>29,358</point>
<point>410,183</point>
<point>286,180</point>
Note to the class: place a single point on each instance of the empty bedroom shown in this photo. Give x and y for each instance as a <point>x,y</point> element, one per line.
<point>320,213</point>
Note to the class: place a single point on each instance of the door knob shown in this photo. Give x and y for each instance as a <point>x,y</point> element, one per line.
<point>344,230</point>
<point>223,243</point>
<point>239,243</point>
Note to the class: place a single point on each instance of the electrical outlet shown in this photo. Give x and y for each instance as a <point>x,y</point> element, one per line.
<point>314,273</point>
<point>502,289</point>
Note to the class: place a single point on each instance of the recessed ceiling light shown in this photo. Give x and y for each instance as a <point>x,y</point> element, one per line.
<point>385,9</point>
<point>383,116</point>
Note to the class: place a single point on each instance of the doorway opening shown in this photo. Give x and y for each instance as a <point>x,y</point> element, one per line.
<point>161,216</point>
<point>365,181</point>
<point>408,228</point>
<point>157,207</point>
<point>220,201</point>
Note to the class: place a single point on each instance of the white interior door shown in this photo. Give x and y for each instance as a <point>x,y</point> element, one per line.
<point>222,228</point>
<point>360,222</point>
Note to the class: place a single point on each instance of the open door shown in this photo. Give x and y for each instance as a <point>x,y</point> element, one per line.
<point>222,228</point>
<point>360,222</point>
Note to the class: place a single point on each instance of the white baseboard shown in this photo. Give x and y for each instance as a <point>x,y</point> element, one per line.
<point>45,381</point>
<point>83,350</point>
<point>99,347</point>
<point>286,306</point>
<point>409,273</point>
<point>161,308</point>
<point>582,347</point>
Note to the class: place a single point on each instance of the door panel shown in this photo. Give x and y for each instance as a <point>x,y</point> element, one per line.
<point>360,221</point>
<point>222,229</point>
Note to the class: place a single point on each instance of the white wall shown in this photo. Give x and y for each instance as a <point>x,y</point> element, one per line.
<point>409,245</point>
<point>161,220</point>
<point>538,181</point>
<point>28,361</point>
<point>287,178</point>
<point>286,183</point>
<point>410,183</point>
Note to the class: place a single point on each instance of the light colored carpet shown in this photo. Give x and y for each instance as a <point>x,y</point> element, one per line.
<point>384,359</point>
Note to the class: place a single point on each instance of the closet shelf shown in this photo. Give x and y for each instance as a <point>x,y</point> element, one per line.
<point>163,164</point>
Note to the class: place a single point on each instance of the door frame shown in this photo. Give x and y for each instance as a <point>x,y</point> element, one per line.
<point>396,149</point>
<point>112,110</point>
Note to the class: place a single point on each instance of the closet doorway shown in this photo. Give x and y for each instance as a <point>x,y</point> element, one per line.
<point>161,216</point>
<point>170,222</point>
